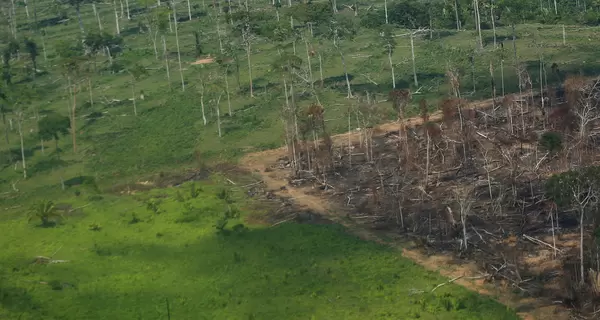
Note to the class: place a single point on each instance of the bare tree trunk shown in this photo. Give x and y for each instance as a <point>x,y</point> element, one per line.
<point>564,34</point>
<point>133,97</point>
<point>78,11</point>
<point>248,52</point>
<point>478,22</point>
<point>153,38</point>
<point>219,114</point>
<point>427,159</point>
<point>349,140</point>
<point>166,60</point>
<point>502,74</point>
<point>116,17</point>
<point>189,10</point>
<point>392,67</point>
<point>202,103</point>
<point>97,16</point>
<point>127,9</point>
<point>26,8</point>
<point>345,70</point>
<point>178,51</point>
<point>73,125</point>
<point>414,64</point>
<point>20,120</point>
<point>321,69</point>
<point>493,23</point>
<point>385,7</point>
<point>219,36</point>
<point>310,74</point>
<point>581,224</point>
<point>91,92</point>
<point>122,9</point>
<point>228,95</point>
<point>456,15</point>
<point>44,48</point>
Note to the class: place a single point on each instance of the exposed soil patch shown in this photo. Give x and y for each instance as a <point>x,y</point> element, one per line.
<point>205,60</point>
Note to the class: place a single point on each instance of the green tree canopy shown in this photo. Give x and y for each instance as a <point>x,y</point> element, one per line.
<point>53,125</point>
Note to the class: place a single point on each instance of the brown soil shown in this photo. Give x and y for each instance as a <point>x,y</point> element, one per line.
<point>206,60</point>
<point>306,197</point>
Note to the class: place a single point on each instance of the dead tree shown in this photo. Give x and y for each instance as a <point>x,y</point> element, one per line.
<point>464,198</point>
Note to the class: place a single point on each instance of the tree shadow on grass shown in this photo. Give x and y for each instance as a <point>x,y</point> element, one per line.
<point>48,164</point>
<point>17,300</point>
<point>258,273</point>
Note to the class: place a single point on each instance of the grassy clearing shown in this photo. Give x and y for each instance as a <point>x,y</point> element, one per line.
<point>128,269</point>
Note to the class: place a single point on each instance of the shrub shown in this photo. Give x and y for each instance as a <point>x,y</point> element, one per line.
<point>551,142</point>
<point>194,193</point>
<point>153,205</point>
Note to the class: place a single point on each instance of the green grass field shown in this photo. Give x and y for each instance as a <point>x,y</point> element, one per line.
<point>130,270</point>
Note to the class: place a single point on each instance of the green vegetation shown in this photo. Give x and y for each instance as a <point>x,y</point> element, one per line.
<point>126,261</point>
<point>96,97</point>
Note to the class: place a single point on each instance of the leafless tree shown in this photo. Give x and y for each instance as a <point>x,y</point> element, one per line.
<point>464,197</point>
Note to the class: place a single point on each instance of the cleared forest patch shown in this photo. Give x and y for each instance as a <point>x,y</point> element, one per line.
<point>469,189</point>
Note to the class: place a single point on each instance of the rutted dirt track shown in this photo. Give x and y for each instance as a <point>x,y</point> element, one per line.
<point>257,163</point>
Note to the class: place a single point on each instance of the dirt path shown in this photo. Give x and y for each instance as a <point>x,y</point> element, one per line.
<point>258,162</point>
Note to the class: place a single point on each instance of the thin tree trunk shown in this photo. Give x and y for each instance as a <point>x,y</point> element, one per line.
<point>502,74</point>
<point>202,103</point>
<point>564,35</point>
<point>73,125</point>
<point>385,7</point>
<point>97,16</point>
<point>133,97</point>
<point>463,220</point>
<point>20,120</point>
<point>26,8</point>
<point>154,42</point>
<point>555,8</point>
<point>90,90</point>
<point>78,11</point>
<point>248,48</point>
<point>122,9</point>
<point>219,115</point>
<point>345,71</point>
<point>456,15</point>
<point>478,21</point>
<point>6,131</point>
<point>582,270</point>
<point>392,67</point>
<point>178,51</point>
<point>321,70</point>
<point>514,40</point>
<point>127,9</point>
<point>493,24</point>
<point>116,17</point>
<point>310,74</point>
<point>427,158</point>
<point>219,36</point>
<point>44,48</point>
<point>414,64</point>
<point>189,10</point>
<point>166,60</point>
<point>228,95</point>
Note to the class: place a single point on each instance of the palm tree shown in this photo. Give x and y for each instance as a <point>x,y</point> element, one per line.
<point>44,210</point>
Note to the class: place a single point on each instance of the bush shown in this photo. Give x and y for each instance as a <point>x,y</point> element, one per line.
<point>194,193</point>
<point>190,214</point>
<point>551,142</point>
